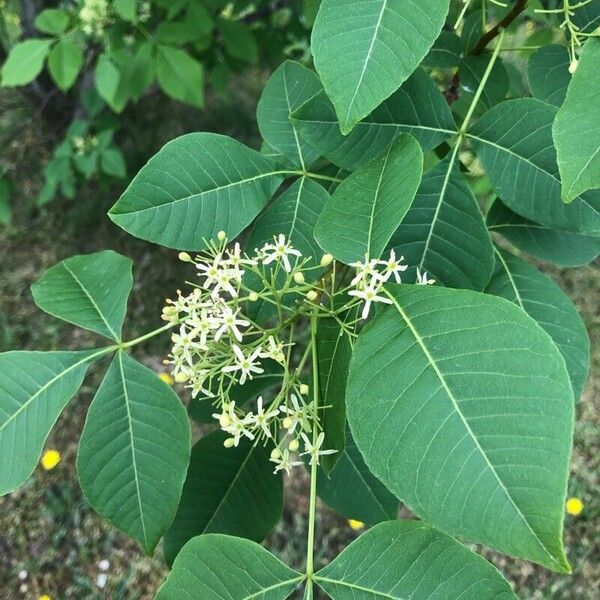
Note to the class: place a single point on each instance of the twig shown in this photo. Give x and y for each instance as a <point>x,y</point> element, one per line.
<point>486,38</point>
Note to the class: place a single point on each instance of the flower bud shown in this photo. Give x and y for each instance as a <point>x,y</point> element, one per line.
<point>185,257</point>
<point>326,260</point>
<point>253,296</point>
<point>222,236</point>
<point>224,421</point>
<point>287,423</point>
<point>573,66</point>
<point>294,445</point>
<point>276,453</point>
<point>299,277</point>
<point>312,295</point>
<point>181,378</point>
<point>304,389</point>
<point>229,443</point>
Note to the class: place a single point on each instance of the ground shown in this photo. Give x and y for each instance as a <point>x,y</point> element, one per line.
<point>48,530</point>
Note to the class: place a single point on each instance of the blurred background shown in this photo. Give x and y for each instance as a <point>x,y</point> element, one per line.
<point>67,150</point>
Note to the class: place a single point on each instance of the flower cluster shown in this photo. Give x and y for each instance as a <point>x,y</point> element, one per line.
<point>94,17</point>
<point>373,274</point>
<point>216,346</point>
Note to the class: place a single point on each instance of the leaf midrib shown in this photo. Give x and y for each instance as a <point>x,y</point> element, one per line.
<point>472,435</point>
<point>375,200</point>
<point>358,587</point>
<point>93,302</point>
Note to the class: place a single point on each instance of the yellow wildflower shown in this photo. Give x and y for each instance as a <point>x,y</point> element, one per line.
<point>45,597</point>
<point>356,525</point>
<point>574,506</point>
<point>50,459</point>
<point>166,378</point>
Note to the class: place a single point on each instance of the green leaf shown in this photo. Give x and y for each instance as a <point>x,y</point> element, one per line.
<point>141,74</point>
<point>288,88</point>
<point>52,20</point>
<point>108,83</point>
<point>443,232</point>
<point>64,63</point>
<point>549,75</point>
<point>214,183</point>
<point>239,41</point>
<point>5,212</point>
<point>547,304</point>
<point>112,163</point>
<point>364,51</point>
<point>214,567</point>
<point>587,17</point>
<point>367,207</point>
<point>446,52</point>
<point>513,141</point>
<point>407,559</point>
<point>134,451</point>
<point>34,389</point>
<point>559,247</point>
<point>472,69</point>
<point>180,76</point>
<point>90,291</point>
<point>126,9</point>
<point>576,130</point>
<point>219,482</point>
<point>462,406</point>
<point>25,62</point>
<point>334,351</point>
<point>417,108</point>
<point>353,491</point>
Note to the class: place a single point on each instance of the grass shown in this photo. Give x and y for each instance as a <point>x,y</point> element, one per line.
<point>48,529</point>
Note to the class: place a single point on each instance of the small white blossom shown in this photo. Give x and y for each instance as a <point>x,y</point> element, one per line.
<point>369,295</point>
<point>422,278</point>
<point>263,418</point>
<point>280,250</point>
<point>392,266</point>
<point>283,462</point>
<point>230,323</point>
<point>104,565</point>
<point>274,350</point>
<point>295,415</point>
<point>364,271</point>
<point>314,451</point>
<point>248,365</point>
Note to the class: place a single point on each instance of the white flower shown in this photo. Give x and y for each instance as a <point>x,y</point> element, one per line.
<point>295,415</point>
<point>235,258</point>
<point>422,278</point>
<point>184,343</point>
<point>392,267</point>
<point>227,415</point>
<point>101,580</point>
<point>283,462</point>
<point>230,322</point>
<point>280,250</point>
<point>315,450</point>
<point>246,364</point>
<point>364,271</point>
<point>197,384</point>
<point>104,565</point>
<point>239,428</point>
<point>274,350</point>
<point>369,295</point>
<point>262,418</point>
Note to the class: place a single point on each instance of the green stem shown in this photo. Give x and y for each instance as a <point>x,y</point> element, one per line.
<point>310,567</point>
<point>482,85</point>
<point>147,336</point>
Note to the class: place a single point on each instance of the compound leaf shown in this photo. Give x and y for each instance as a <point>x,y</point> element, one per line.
<point>549,75</point>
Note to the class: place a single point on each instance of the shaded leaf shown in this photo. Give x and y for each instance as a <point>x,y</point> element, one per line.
<point>25,62</point>
<point>417,108</point>
<point>559,247</point>
<point>444,233</point>
<point>52,20</point>
<point>179,75</point>
<point>227,490</point>
<point>549,75</point>
<point>547,304</point>
<point>64,63</point>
